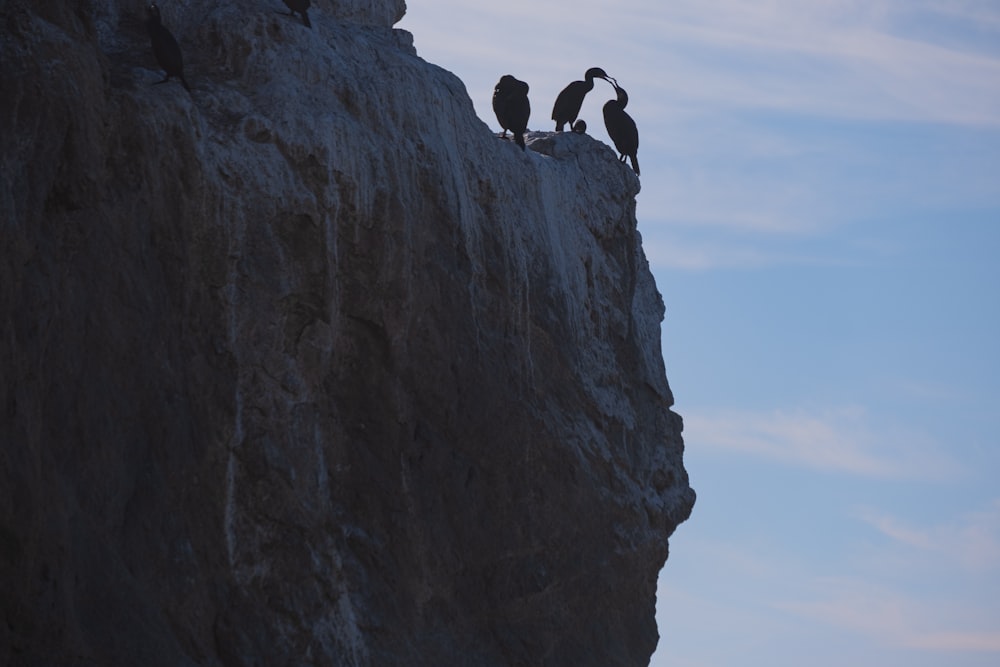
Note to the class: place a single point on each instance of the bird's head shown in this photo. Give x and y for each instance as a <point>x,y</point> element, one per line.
<point>622,95</point>
<point>596,73</point>
<point>509,84</point>
<point>504,83</point>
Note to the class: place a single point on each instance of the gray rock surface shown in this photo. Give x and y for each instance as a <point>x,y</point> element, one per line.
<point>307,367</point>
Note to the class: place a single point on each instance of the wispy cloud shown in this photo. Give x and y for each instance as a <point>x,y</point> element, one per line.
<point>843,58</point>
<point>890,527</point>
<point>971,541</point>
<point>899,620</point>
<point>830,57</point>
<point>956,641</point>
<point>837,440</point>
<point>930,593</point>
<point>675,253</point>
<point>670,251</point>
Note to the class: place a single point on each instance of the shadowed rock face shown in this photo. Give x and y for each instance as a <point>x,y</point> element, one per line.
<point>306,366</point>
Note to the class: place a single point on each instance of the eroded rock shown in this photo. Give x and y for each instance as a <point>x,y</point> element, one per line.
<point>307,366</point>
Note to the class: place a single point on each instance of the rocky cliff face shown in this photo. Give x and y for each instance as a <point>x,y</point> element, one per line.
<point>307,367</point>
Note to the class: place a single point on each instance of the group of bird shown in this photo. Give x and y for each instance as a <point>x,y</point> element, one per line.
<point>510,97</point>
<point>510,104</point>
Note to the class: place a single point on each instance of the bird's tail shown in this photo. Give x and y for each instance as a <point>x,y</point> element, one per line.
<point>305,19</point>
<point>635,163</point>
<point>519,139</point>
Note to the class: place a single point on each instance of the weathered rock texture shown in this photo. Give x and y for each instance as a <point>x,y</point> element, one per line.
<point>307,367</point>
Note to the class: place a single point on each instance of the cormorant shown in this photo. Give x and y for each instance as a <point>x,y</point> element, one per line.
<point>510,104</point>
<point>165,48</point>
<point>569,101</point>
<point>621,128</point>
<point>580,126</point>
<point>299,6</point>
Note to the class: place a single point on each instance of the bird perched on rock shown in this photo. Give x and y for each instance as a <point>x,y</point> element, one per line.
<point>510,104</point>
<point>300,6</point>
<point>621,128</point>
<point>569,101</point>
<point>165,48</point>
<point>580,126</point>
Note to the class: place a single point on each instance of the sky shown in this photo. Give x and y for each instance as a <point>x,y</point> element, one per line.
<point>821,212</point>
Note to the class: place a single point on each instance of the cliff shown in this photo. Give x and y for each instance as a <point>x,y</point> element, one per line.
<point>306,367</point>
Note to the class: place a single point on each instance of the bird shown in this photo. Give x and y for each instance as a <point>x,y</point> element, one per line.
<point>569,101</point>
<point>165,48</point>
<point>300,6</point>
<point>510,104</point>
<point>580,126</point>
<point>621,128</point>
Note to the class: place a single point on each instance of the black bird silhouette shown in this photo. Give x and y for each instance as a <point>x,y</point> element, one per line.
<point>165,48</point>
<point>300,6</point>
<point>569,101</point>
<point>510,104</point>
<point>621,128</point>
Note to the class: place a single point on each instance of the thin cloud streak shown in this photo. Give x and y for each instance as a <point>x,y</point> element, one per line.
<point>831,58</point>
<point>799,64</point>
<point>978,12</point>
<point>970,542</point>
<point>892,529</point>
<point>836,441</point>
<point>673,253</point>
<point>682,256</point>
<point>748,581</point>
<point>894,619</point>
<point>987,642</point>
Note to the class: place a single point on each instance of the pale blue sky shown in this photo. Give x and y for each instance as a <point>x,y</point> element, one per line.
<point>821,210</point>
